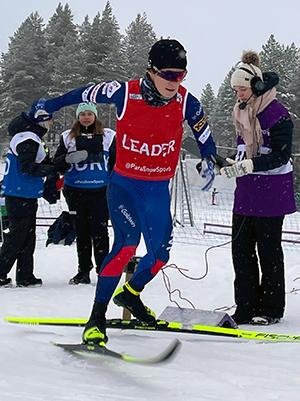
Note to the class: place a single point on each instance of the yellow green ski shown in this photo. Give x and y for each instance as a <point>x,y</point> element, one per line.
<point>160,325</point>
<point>95,349</point>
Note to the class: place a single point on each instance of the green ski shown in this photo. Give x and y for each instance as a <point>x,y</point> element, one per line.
<point>83,349</point>
<point>172,327</point>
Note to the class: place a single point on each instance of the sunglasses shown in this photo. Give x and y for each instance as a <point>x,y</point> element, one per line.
<point>171,75</point>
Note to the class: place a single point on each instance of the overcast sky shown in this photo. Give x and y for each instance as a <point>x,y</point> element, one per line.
<point>214,32</point>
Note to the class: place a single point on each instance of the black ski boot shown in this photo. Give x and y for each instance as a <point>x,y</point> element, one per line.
<point>95,329</point>
<point>130,299</point>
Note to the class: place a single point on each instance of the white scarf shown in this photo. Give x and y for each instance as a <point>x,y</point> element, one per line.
<point>247,124</point>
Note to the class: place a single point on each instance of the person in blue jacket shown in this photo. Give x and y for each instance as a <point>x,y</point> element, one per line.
<point>150,116</point>
<point>87,153</point>
<point>27,164</point>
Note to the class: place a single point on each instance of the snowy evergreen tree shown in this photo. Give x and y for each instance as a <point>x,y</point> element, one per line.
<point>102,48</point>
<point>59,25</point>
<point>23,70</point>
<point>84,34</point>
<point>138,41</point>
<point>64,64</point>
<point>221,118</point>
<point>272,59</point>
<point>94,49</point>
<point>208,101</point>
<point>292,92</point>
<point>104,58</point>
<point>285,62</point>
<point>115,61</point>
<point>67,75</point>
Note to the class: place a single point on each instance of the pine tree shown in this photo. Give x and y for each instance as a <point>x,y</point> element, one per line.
<point>221,119</point>
<point>64,64</point>
<point>285,62</point>
<point>84,34</point>
<point>23,70</point>
<point>94,49</point>
<point>294,91</point>
<point>294,87</point>
<point>114,57</point>
<point>104,58</point>
<point>67,75</point>
<point>291,93</point>
<point>272,59</point>
<point>59,25</point>
<point>139,38</point>
<point>208,101</point>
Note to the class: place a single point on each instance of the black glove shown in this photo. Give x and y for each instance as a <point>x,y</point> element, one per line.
<point>50,193</point>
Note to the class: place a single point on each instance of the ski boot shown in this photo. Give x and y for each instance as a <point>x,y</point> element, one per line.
<point>95,329</point>
<point>129,299</point>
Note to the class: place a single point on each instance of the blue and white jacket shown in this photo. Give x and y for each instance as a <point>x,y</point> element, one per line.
<point>88,174</point>
<point>16,183</point>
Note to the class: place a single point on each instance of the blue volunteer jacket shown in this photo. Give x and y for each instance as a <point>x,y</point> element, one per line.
<point>15,183</point>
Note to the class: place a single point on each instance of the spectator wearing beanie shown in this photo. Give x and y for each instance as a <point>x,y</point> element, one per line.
<point>150,116</point>
<point>86,153</point>
<point>27,164</point>
<point>263,195</point>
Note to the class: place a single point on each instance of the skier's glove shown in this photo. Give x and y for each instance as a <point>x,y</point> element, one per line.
<point>76,157</point>
<point>206,171</point>
<point>38,113</point>
<point>238,169</point>
<point>39,109</point>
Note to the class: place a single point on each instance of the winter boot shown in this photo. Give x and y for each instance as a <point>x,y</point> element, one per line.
<point>95,329</point>
<point>30,282</point>
<point>5,282</point>
<point>264,320</point>
<point>241,319</point>
<point>129,299</point>
<point>80,278</point>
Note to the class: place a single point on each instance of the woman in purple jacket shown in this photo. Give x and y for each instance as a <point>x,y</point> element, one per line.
<point>263,196</point>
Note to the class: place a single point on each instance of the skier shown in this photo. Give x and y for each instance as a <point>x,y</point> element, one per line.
<point>264,193</point>
<point>26,164</point>
<point>87,154</point>
<point>150,116</point>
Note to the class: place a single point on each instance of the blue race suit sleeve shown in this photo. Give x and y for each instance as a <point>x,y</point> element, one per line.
<point>105,92</point>
<point>196,120</point>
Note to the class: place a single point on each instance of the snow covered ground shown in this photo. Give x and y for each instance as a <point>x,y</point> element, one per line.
<point>207,368</point>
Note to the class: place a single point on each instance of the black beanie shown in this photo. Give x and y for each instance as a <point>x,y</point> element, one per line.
<point>167,53</point>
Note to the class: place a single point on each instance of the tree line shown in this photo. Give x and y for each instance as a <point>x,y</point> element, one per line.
<point>52,59</point>
<point>285,61</point>
<point>47,60</point>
